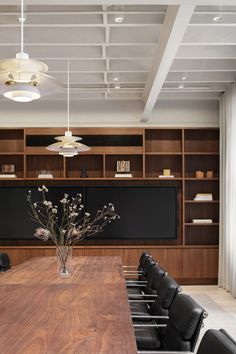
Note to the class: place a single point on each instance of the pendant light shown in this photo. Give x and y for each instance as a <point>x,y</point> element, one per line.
<point>67,144</point>
<point>23,79</point>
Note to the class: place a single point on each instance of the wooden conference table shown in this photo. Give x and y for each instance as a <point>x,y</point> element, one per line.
<point>87,313</point>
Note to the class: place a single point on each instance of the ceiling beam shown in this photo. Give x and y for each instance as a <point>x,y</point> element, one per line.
<point>174,27</point>
<point>124,2</point>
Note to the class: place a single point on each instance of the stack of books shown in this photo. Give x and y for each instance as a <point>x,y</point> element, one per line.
<point>166,176</point>
<point>121,175</point>
<point>203,197</point>
<point>202,221</point>
<point>45,175</point>
<point>7,175</point>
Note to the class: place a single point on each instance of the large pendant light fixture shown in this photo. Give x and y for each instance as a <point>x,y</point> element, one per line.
<point>23,79</point>
<point>67,144</point>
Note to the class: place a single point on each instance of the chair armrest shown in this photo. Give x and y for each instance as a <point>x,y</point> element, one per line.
<point>155,325</point>
<point>142,295</point>
<point>125,266</point>
<point>135,285</point>
<point>162,352</point>
<point>139,300</point>
<point>137,281</point>
<point>151,317</point>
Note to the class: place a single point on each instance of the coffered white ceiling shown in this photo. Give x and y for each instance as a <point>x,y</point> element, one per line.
<point>159,52</point>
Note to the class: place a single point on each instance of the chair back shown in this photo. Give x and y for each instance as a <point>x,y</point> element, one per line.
<point>166,292</point>
<point>4,262</point>
<point>185,321</point>
<point>215,341</point>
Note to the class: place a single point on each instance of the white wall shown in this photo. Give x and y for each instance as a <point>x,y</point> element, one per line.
<point>47,113</point>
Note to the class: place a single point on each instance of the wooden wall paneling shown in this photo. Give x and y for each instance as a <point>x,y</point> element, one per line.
<point>193,263</point>
<point>173,262</point>
<point>210,262</point>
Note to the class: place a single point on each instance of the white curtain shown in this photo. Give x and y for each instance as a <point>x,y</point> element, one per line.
<point>227,248</point>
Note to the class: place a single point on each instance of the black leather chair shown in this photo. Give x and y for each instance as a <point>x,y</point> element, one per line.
<point>166,293</point>
<point>182,330</point>
<point>153,274</point>
<point>5,263</point>
<point>215,341</point>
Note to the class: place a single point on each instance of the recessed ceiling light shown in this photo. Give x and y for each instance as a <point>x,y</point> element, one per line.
<point>217,18</point>
<point>184,77</point>
<point>117,86</point>
<point>181,86</point>
<point>119,18</point>
<point>115,78</point>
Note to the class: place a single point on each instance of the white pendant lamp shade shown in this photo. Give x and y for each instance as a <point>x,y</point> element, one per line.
<point>23,79</point>
<point>67,144</point>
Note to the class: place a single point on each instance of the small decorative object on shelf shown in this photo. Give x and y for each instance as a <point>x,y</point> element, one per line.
<point>67,224</point>
<point>199,174</point>
<point>84,173</point>
<point>166,174</point>
<point>8,171</point>
<point>45,174</point>
<point>123,169</point>
<point>202,221</point>
<point>209,174</point>
<point>203,197</point>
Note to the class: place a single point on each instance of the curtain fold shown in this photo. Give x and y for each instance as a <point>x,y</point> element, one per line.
<point>227,244</point>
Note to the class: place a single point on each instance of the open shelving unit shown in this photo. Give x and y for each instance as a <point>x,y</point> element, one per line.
<point>149,150</point>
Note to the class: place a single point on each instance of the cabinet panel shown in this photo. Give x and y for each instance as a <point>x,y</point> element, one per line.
<point>201,140</point>
<point>85,166</point>
<point>37,163</point>
<point>163,140</point>
<point>154,165</point>
<point>192,263</point>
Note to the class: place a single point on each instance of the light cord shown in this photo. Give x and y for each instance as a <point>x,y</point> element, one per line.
<point>68,95</point>
<point>22,20</point>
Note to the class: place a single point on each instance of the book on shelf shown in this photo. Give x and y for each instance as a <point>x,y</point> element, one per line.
<point>7,175</point>
<point>45,175</point>
<point>202,221</point>
<point>166,176</point>
<point>203,196</point>
<point>125,175</point>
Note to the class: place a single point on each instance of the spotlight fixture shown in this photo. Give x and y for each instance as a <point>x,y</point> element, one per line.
<point>23,79</point>
<point>67,144</point>
<point>115,77</point>
<point>117,86</point>
<point>184,77</point>
<point>181,85</point>
<point>217,18</point>
<point>119,18</point>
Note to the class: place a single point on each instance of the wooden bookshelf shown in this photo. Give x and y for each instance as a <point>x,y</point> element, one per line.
<point>150,150</point>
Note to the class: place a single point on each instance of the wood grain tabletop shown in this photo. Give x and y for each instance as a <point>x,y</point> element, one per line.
<point>87,313</point>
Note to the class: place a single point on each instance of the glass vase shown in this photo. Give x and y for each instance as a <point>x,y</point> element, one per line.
<point>64,258</point>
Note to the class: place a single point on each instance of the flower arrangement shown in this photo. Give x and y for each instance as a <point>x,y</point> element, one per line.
<point>67,223</point>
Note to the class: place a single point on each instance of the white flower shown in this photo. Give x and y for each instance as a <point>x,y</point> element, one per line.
<point>63,201</point>
<point>35,205</point>
<point>87,214</point>
<point>54,210</point>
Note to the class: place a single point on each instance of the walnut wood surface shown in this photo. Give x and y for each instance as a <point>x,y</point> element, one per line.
<point>87,313</point>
